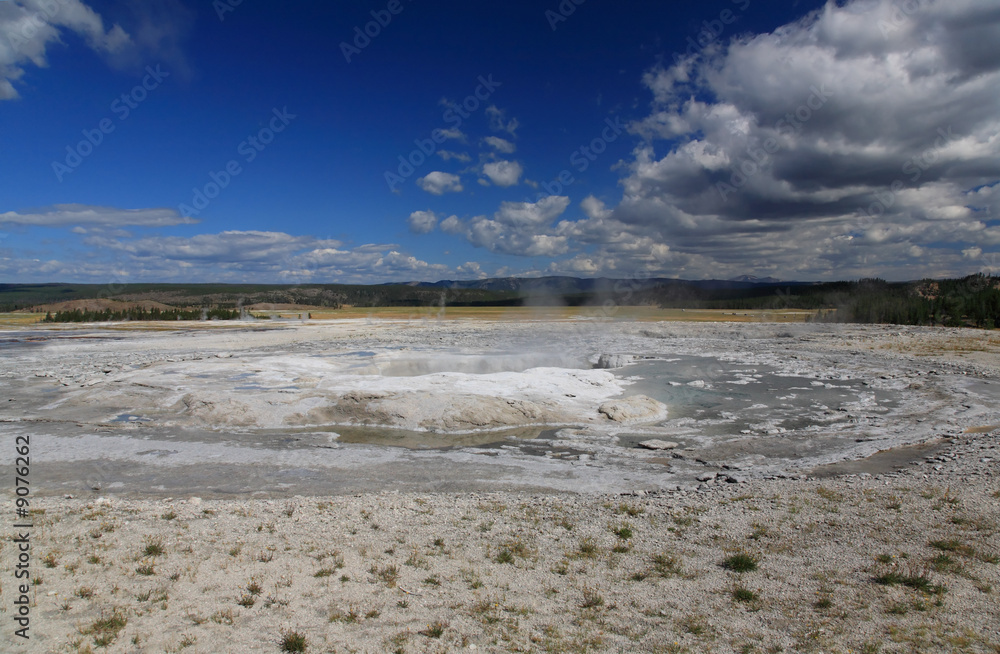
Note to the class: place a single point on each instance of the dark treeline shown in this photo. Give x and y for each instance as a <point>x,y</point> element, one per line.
<point>972,301</point>
<point>15,297</point>
<point>108,315</point>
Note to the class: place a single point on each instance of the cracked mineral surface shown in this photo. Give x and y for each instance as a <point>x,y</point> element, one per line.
<point>350,405</point>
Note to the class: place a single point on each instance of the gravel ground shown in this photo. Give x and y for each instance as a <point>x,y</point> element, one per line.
<point>895,562</point>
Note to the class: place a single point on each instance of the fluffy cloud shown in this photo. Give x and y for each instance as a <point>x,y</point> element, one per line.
<point>519,228</point>
<point>439,183</point>
<point>366,263</point>
<point>503,173</point>
<point>75,215</point>
<point>500,145</point>
<point>448,155</point>
<point>149,31</point>
<point>499,122</point>
<point>422,222</point>
<point>594,208</point>
<point>230,247</point>
<point>455,134</point>
<point>858,140</point>
<point>28,27</point>
<point>471,270</point>
<point>231,256</point>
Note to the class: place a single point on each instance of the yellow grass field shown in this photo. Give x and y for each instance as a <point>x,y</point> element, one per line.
<point>19,320</point>
<point>560,313</point>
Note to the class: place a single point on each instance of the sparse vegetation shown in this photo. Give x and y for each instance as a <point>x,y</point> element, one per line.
<point>587,549</point>
<point>293,641</point>
<point>829,495</point>
<point>511,550</point>
<point>622,531</point>
<point>823,603</point>
<point>154,547</point>
<point>916,579</point>
<point>504,555</point>
<point>107,627</point>
<point>591,598</point>
<point>415,560</point>
<point>952,545</point>
<point>694,625</point>
<point>743,594</point>
<point>630,509</point>
<point>592,588</point>
<point>347,617</point>
<point>944,563</point>
<point>224,616</point>
<point>740,562</point>
<point>666,565</point>
<point>387,574</point>
<point>434,630</point>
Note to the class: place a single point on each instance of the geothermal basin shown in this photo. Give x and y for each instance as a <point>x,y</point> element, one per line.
<point>355,405</point>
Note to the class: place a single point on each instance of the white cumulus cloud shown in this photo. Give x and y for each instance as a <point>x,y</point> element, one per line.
<point>857,141</point>
<point>503,173</point>
<point>422,222</point>
<point>500,145</point>
<point>439,183</point>
<point>28,27</point>
<point>76,215</point>
<point>519,228</point>
<point>448,155</point>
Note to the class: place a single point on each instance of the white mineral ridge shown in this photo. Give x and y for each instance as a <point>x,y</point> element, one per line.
<point>656,444</point>
<point>296,390</point>
<point>606,361</point>
<point>454,400</point>
<point>636,408</point>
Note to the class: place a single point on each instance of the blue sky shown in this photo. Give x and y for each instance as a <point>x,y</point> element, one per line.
<point>183,140</point>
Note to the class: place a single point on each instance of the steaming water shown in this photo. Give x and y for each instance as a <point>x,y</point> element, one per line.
<point>708,399</point>
<point>417,364</point>
<point>719,398</point>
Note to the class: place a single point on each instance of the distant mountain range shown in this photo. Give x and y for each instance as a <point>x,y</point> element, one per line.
<point>563,285</point>
<point>759,280</point>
